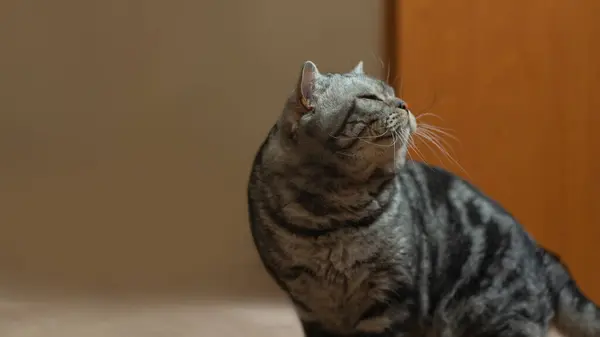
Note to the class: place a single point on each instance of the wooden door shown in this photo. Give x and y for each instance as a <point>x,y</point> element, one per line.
<point>518,82</point>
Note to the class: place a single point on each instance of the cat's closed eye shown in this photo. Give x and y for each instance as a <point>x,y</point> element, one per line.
<point>371,97</point>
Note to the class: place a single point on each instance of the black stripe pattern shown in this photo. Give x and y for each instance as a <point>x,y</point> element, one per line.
<point>363,248</point>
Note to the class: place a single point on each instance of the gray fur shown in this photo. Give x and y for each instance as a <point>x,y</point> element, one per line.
<point>366,243</point>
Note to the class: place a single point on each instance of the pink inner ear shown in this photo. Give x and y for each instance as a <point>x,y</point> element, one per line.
<point>307,83</point>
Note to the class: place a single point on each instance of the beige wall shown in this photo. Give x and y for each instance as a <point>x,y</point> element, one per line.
<point>127,129</point>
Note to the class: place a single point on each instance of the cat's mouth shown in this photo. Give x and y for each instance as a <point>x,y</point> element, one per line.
<point>400,133</point>
<point>400,130</point>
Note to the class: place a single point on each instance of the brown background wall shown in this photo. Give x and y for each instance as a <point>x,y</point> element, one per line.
<point>127,129</point>
<point>518,86</point>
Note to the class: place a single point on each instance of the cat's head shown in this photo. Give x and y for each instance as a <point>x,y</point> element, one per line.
<point>349,121</point>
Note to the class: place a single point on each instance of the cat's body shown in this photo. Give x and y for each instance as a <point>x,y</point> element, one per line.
<point>366,244</point>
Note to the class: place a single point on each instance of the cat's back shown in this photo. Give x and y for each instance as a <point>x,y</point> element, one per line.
<point>433,187</point>
<point>460,222</point>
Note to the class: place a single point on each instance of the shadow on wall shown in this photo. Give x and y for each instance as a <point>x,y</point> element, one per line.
<point>128,129</point>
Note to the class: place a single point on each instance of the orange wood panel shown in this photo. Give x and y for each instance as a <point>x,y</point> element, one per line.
<point>518,82</point>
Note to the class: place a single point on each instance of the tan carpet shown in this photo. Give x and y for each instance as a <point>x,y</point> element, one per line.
<point>105,319</point>
<point>94,319</point>
<point>246,304</point>
<point>243,302</point>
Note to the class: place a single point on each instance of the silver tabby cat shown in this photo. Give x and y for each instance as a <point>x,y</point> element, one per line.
<point>367,243</point>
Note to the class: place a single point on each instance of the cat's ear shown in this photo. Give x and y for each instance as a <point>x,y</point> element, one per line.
<point>301,102</point>
<point>358,69</point>
<point>306,85</point>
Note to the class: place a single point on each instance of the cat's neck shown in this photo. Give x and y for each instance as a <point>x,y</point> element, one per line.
<point>328,199</point>
<point>306,186</point>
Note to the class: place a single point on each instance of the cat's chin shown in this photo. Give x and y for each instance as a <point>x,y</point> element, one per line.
<point>394,167</point>
<point>395,163</point>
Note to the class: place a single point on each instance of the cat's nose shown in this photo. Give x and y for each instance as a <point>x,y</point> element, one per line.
<point>401,104</point>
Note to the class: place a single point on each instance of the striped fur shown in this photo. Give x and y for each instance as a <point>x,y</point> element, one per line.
<point>368,244</point>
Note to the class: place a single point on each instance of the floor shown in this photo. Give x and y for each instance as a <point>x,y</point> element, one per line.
<point>241,303</point>
<point>97,319</point>
<point>29,319</point>
<point>251,309</point>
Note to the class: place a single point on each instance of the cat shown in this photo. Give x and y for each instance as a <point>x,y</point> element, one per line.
<point>368,243</point>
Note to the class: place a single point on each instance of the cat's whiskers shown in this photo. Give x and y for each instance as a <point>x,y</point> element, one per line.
<point>393,83</point>
<point>408,148</point>
<point>438,142</point>
<point>394,142</point>
<point>365,139</point>
<point>357,137</point>
<point>401,85</point>
<point>419,116</point>
<point>440,130</point>
<point>413,146</point>
<point>388,69</point>
<point>378,59</point>
<point>387,77</point>
<point>434,136</point>
<point>438,138</point>
<point>426,141</point>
